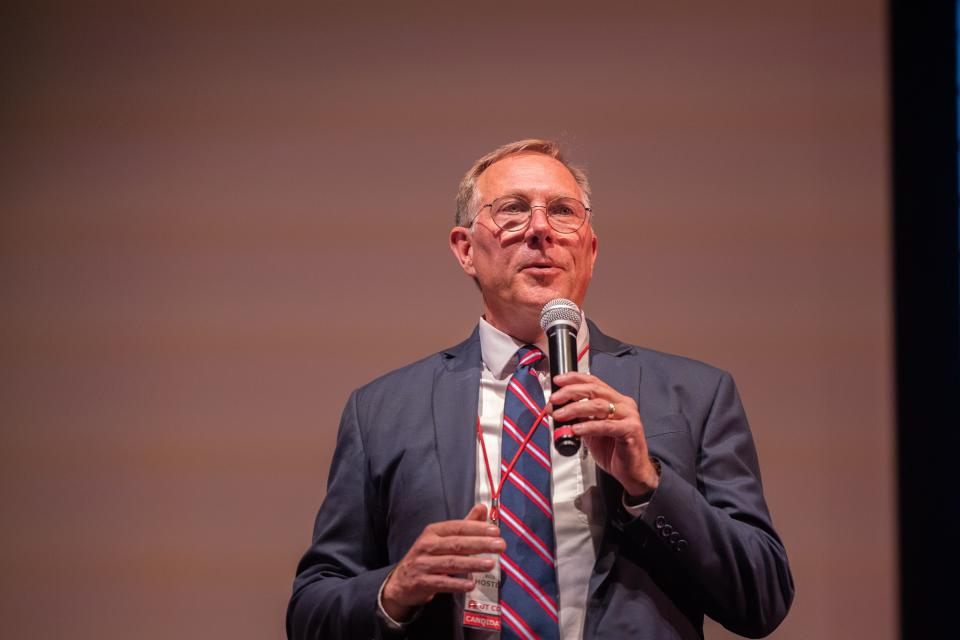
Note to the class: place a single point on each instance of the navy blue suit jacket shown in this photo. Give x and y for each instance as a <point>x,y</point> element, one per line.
<point>406,458</point>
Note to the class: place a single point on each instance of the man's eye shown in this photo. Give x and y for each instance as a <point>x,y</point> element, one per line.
<point>562,211</point>
<point>514,206</point>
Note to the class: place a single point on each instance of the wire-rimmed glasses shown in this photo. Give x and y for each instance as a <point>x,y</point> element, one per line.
<point>513,213</point>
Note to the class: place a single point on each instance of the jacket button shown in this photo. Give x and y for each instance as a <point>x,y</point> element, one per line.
<point>674,537</point>
<point>666,531</point>
<point>658,523</point>
<point>681,545</point>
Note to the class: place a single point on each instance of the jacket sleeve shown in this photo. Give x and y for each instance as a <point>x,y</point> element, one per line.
<point>716,537</point>
<point>338,578</point>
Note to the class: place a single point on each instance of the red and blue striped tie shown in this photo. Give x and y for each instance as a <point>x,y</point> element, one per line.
<point>528,591</point>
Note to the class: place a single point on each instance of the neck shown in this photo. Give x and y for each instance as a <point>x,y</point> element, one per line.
<point>520,325</point>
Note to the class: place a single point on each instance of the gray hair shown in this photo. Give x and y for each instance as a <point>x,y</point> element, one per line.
<point>467,191</point>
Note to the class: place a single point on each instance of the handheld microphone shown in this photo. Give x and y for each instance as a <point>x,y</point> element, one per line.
<point>560,320</point>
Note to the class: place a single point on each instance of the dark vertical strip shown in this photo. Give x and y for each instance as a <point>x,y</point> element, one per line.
<point>925,225</point>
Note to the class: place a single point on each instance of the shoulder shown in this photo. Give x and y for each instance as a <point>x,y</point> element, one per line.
<point>677,365</point>
<point>669,368</point>
<point>412,374</point>
<point>415,380</point>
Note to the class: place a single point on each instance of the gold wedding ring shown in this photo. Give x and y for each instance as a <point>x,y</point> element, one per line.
<point>611,409</point>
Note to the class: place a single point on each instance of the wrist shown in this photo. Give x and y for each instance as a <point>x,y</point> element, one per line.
<point>398,613</point>
<point>641,491</point>
<point>394,609</point>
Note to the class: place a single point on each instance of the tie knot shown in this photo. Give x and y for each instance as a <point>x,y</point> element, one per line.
<point>528,355</point>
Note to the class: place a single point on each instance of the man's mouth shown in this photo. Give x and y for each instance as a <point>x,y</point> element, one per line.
<point>539,265</point>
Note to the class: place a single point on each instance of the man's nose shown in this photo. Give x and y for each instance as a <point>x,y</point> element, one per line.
<point>539,226</point>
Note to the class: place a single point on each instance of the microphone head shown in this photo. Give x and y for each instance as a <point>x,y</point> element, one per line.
<point>560,311</point>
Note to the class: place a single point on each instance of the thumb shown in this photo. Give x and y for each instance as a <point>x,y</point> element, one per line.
<point>478,513</point>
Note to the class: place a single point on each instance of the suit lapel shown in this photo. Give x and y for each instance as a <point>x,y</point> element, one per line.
<point>455,393</point>
<point>614,363</point>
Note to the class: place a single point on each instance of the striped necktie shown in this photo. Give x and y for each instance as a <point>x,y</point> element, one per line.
<point>528,591</point>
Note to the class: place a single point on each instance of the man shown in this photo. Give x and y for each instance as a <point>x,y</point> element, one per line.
<point>659,519</point>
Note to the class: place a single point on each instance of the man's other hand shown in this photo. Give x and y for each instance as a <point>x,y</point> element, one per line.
<point>441,560</point>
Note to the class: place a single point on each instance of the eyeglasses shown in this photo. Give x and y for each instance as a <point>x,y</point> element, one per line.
<point>513,213</point>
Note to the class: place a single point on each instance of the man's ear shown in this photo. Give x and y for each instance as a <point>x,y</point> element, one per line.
<point>462,246</point>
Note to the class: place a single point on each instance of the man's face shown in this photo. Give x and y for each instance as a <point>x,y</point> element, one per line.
<point>518,272</point>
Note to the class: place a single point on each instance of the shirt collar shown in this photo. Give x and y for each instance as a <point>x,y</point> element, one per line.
<point>498,350</point>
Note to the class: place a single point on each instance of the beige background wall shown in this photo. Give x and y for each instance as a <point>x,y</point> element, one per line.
<point>209,209</point>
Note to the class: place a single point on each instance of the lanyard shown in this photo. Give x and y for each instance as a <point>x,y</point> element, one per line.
<point>495,490</point>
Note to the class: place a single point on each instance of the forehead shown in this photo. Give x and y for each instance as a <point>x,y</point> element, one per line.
<point>531,174</point>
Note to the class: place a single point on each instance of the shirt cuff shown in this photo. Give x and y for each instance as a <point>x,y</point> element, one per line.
<point>635,510</point>
<point>392,624</point>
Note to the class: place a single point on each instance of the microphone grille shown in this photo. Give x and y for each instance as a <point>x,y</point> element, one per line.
<point>560,310</point>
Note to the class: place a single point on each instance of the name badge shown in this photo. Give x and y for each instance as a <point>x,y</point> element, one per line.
<point>481,608</point>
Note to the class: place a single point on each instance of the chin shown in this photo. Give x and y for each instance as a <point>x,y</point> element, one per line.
<point>542,296</point>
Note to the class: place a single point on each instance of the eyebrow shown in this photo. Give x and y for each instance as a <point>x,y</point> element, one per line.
<point>518,194</point>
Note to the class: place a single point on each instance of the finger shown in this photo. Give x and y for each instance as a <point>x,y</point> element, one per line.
<point>599,407</point>
<point>460,545</point>
<point>574,377</point>
<point>438,582</point>
<point>453,564</point>
<point>464,545</point>
<point>463,528</point>
<point>579,390</point>
<point>478,513</point>
<point>607,428</point>
<point>573,393</point>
